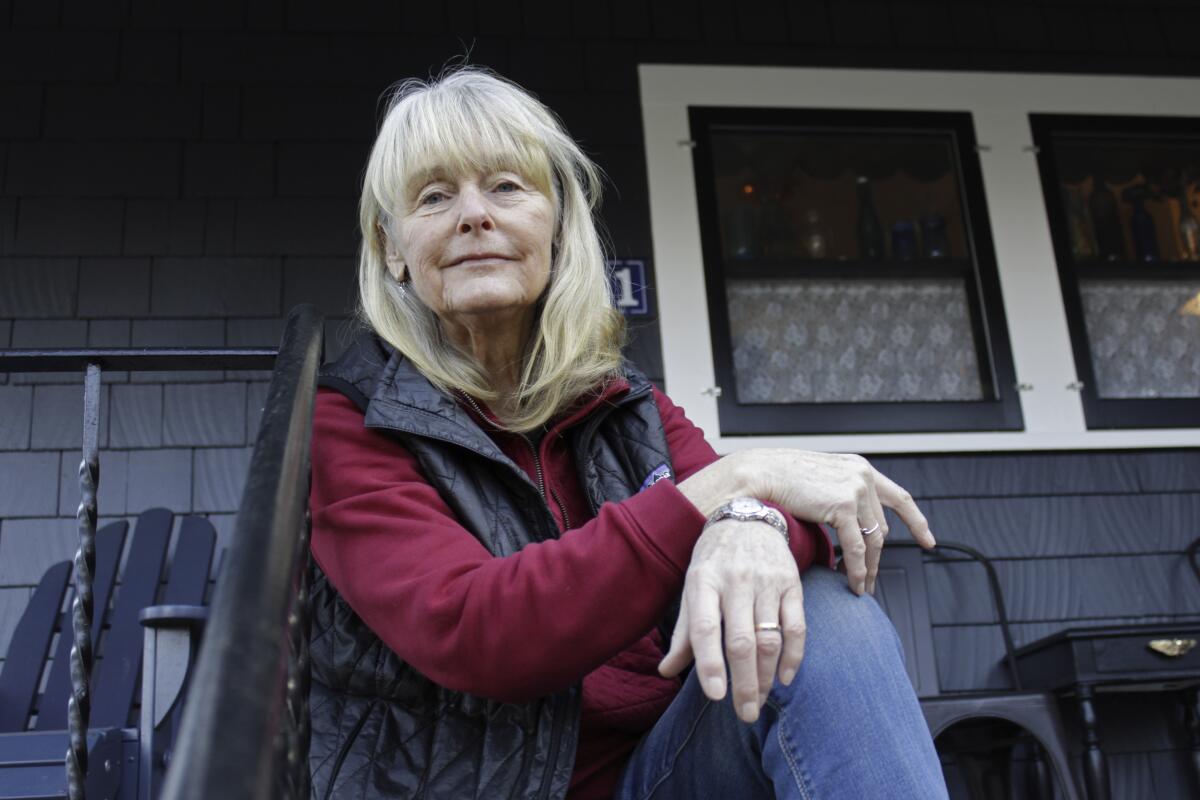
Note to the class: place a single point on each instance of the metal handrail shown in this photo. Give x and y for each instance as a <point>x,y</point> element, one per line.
<point>136,358</point>
<point>247,734</point>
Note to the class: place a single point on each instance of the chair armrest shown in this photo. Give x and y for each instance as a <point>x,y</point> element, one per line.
<point>174,616</point>
<point>170,643</point>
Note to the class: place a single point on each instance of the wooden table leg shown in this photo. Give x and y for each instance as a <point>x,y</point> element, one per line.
<point>1095,771</point>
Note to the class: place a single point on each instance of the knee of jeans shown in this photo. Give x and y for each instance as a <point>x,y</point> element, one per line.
<point>838,618</point>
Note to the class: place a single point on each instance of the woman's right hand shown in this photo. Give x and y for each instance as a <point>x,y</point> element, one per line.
<point>839,490</point>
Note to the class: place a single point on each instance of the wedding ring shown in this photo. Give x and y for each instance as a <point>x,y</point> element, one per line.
<point>869,531</point>
<point>762,627</point>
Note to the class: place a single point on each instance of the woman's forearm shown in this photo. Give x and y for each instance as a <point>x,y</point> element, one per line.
<point>718,483</point>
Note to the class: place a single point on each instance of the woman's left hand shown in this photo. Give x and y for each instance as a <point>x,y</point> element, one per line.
<point>741,572</point>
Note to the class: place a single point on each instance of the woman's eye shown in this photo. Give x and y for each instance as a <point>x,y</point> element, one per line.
<point>507,186</point>
<point>432,198</point>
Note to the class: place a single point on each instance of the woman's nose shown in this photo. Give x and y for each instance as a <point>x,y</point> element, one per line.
<point>473,211</point>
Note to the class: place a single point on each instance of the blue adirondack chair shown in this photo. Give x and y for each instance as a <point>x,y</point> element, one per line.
<point>126,756</point>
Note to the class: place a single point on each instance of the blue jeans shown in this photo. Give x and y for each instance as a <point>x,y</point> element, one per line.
<point>849,726</point>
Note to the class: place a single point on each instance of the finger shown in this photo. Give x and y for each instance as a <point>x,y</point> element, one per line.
<point>791,617</point>
<point>768,644</point>
<point>679,654</point>
<point>854,551</point>
<point>896,497</point>
<point>704,631</point>
<point>874,540</point>
<point>737,607</point>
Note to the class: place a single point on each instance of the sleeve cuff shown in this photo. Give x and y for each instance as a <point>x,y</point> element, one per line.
<point>668,522</point>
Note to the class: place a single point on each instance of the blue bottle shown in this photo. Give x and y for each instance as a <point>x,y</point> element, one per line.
<point>904,241</point>
<point>933,236</point>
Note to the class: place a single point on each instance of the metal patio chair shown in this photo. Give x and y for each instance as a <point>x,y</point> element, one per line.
<point>902,592</point>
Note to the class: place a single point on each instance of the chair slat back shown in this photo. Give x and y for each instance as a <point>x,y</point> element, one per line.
<point>29,647</point>
<point>115,676</point>
<point>52,708</point>
<point>191,563</point>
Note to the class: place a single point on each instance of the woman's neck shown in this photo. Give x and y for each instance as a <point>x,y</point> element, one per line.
<point>498,347</point>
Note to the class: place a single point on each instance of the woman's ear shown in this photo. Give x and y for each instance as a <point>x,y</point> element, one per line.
<point>395,261</point>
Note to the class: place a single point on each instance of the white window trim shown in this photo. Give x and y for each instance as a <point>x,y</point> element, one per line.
<point>999,104</point>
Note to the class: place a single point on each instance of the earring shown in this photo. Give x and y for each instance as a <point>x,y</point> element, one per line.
<point>401,280</point>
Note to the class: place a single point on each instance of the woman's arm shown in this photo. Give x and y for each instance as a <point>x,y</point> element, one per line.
<point>509,628</point>
<point>691,453</point>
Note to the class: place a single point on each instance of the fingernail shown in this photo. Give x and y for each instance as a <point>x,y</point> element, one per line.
<point>862,588</point>
<point>749,712</point>
<point>716,687</point>
<point>786,676</point>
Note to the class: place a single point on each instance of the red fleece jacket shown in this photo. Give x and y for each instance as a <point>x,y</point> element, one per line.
<point>535,622</point>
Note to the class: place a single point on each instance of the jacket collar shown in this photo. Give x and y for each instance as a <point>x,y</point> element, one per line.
<point>405,400</point>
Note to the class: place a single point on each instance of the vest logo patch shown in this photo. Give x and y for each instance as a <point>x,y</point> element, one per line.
<point>660,472</point>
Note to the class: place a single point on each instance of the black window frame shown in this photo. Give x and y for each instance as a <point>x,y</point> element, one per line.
<point>1108,413</point>
<point>1000,410</point>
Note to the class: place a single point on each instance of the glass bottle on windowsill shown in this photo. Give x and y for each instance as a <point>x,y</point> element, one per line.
<point>870,232</point>
<point>933,236</point>
<point>1079,227</point>
<point>1106,221</point>
<point>814,239</point>
<point>904,240</point>
<point>745,223</point>
<point>1141,224</point>
<point>1189,228</point>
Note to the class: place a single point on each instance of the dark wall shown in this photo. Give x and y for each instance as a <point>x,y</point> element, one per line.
<point>182,173</point>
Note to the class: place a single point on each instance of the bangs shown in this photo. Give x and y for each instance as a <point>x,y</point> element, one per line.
<point>434,135</point>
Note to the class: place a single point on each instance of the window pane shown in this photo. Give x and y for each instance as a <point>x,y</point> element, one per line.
<point>1130,201</point>
<point>832,341</point>
<point>1144,337</point>
<point>797,194</point>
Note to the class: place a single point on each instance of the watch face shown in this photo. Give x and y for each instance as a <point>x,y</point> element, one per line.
<point>744,505</point>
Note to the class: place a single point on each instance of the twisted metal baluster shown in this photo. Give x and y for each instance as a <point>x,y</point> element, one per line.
<point>79,705</point>
<point>298,676</point>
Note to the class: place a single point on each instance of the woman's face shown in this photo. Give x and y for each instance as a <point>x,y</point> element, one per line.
<point>477,246</point>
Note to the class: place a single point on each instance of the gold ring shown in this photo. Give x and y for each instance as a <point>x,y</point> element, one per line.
<point>768,626</point>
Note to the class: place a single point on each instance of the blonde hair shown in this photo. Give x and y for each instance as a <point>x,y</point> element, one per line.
<point>472,119</point>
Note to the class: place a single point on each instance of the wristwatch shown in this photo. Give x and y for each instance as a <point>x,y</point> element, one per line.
<point>749,508</point>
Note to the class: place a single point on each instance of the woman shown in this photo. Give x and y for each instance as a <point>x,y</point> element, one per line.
<point>510,523</point>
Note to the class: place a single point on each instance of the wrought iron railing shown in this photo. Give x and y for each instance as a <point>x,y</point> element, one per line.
<point>245,736</point>
<point>276,485</point>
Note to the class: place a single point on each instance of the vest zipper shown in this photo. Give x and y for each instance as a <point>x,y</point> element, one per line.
<point>345,750</point>
<point>555,740</point>
<point>537,465</point>
<point>547,494</point>
<point>562,508</point>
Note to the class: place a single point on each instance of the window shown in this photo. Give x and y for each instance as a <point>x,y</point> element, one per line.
<point>850,277</point>
<point>1122,201</point>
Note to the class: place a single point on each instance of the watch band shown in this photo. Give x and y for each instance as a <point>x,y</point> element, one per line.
<point>750,508</point>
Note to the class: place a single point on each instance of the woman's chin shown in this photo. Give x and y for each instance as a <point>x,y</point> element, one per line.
<point>502,305</point>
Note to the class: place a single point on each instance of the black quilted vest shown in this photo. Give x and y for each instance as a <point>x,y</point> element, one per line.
<point>380,729</point>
